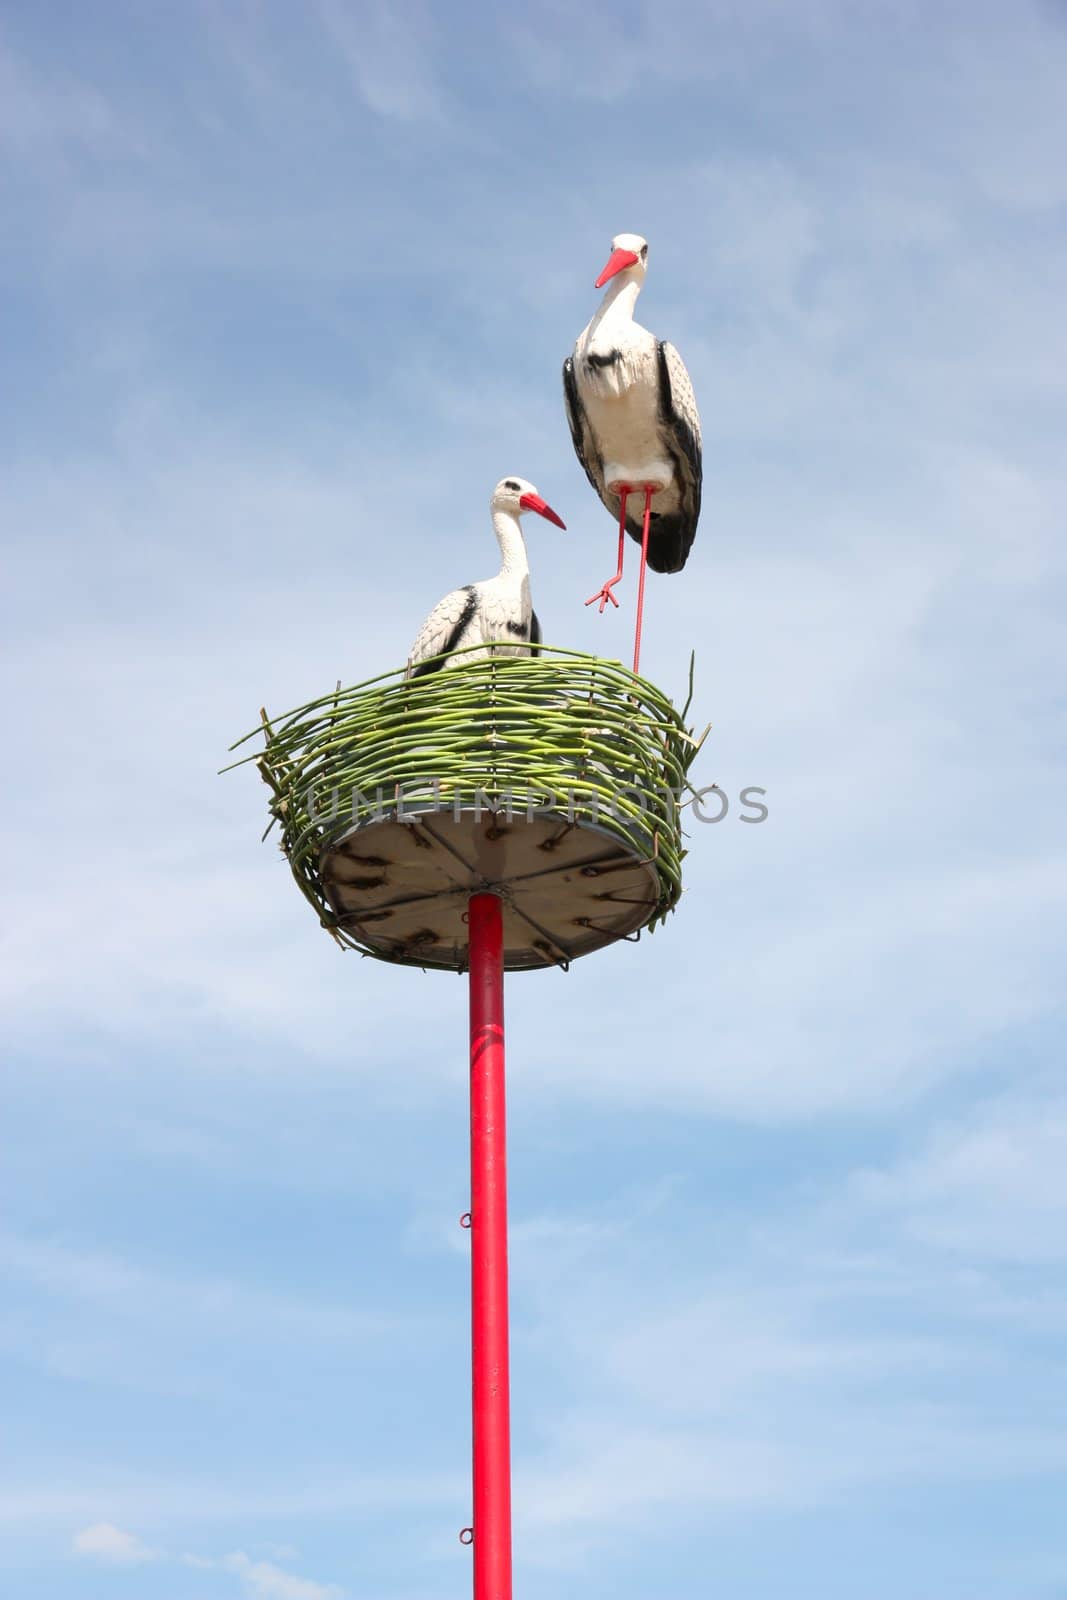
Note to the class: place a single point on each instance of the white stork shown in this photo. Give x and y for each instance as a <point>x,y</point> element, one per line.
<point>496,612</point>
<point>634,423</point>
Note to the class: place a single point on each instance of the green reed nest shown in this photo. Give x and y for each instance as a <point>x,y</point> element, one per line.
<point>558,732</point>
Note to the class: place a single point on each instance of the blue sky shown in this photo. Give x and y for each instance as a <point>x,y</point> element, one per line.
<point>285,290</point>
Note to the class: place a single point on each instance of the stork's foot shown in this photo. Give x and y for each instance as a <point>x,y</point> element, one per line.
<point>604,595</point>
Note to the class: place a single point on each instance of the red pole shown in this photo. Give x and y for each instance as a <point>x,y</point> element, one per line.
<point>489,1256</point>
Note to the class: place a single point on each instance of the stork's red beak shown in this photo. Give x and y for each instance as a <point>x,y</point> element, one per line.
<point>533,502</point>
<point>618,262</point>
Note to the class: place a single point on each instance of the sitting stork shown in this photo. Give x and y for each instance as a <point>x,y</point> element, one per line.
<point>634,424</point>
<point>496,612</point>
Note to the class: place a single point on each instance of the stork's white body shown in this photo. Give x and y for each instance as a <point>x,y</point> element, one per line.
<point>492,612</point>
<point>615,372</point>
<point>497,612</point>
<point>633,414</point>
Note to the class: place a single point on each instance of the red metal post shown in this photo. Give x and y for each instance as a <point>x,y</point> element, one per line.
<point>489,1256</point>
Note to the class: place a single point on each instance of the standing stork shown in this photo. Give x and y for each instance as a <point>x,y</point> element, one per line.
<point>496,612</point>
<point>634,423</point>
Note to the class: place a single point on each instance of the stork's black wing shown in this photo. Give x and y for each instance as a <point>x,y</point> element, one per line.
<point>671,537</point>
<point>584,443</point>
<point>442,632</point>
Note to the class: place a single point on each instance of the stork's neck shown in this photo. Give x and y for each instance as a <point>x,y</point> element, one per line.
<point>616,310</point>
<point>512,544</point>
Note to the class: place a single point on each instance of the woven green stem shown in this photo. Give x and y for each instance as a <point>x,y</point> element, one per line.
<point>559,731</point>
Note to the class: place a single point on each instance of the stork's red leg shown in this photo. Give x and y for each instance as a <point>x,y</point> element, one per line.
<point>641,581</point>
<point>604,594</point>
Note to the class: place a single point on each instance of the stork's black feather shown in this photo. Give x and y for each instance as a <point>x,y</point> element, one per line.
<point>671,537</point>
<point>470,605</point>
<point>582,439</point>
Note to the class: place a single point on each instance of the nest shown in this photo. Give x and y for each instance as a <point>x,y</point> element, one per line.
<point>522,752</point>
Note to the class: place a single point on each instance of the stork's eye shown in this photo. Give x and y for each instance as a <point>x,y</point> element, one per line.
<point>509,483</point>
<point>644,252</point>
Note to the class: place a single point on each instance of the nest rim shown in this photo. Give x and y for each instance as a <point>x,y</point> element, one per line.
<point>563,733</point>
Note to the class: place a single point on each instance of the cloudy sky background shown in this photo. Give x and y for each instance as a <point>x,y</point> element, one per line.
<point>285,290</point>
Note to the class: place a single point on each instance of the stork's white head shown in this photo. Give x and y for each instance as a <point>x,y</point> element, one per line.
<point>516,495</point>
<point>629,255</point>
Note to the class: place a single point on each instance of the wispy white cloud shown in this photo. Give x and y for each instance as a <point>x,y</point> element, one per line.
<point>991,1186</point>
<point>210,1499</point>
<point>389,54</point>
<point>600,54</point>
<point>105,1279</point>
<point>41,114</point>
<point>857,1341</point>
<point>260,1579</point>
<point>266,1581</point>
<point>143,1328</point>
<point>603,1474</point>
<point>112,1546</point>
